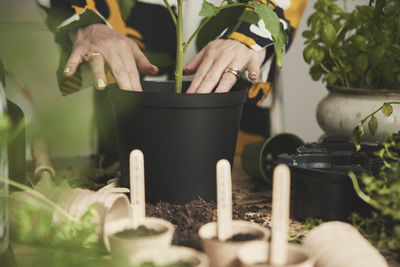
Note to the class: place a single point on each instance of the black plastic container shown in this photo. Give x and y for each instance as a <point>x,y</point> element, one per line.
<point>321,187</point>
<point>182,137</point>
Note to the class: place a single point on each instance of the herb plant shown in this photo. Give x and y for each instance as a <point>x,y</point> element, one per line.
<point>257,11</point>
<point>383,193</point>
<point>358,49</point>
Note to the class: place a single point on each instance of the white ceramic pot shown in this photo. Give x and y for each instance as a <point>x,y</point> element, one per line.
<point>339,244</point>
<point>170,255</point>
<point>125,248</point>
<point>343,108</point>
<point>256,255</point>
<point>224,254</point>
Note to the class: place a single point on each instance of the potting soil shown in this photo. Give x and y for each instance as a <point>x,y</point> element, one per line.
<point>141,231</point>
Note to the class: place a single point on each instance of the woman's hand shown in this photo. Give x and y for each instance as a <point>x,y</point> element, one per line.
<point>211,63</point>
<point>122,56</point>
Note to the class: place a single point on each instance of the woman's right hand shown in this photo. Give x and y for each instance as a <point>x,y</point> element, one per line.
<point>122,56</point>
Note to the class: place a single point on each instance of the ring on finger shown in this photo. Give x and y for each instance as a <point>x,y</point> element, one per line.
<point>91,54</point>
<point>234,71</point>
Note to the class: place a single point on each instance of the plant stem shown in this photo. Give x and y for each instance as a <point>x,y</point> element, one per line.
<point>337,65</point>
<point>377,110</point>
<point>171,12</point>
<point>179,51</point>
<point>324,68</point>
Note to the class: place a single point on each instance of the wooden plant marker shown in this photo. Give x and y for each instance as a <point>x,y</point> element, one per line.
<point>137,193</point>
<point>280,215</point>
<point>224,200</point>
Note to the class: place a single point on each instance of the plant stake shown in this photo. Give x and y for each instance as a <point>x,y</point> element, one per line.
<point>137,193</point>
<point>224,200</point>
<point>280,215</point>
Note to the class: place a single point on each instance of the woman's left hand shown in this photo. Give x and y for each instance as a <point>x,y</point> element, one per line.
<point>211,63</point>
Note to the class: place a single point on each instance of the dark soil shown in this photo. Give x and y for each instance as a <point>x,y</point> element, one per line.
<point>188,218</point>
<point>175,264</point>
<point>245,237</point>
<point>141,231</point>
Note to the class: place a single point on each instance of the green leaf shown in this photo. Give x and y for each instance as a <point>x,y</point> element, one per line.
<point>208,9</point>
<point>2,73</point>
<point>328,34</point>
<point>125,7</point>
<point>331,78</point>
<point>376,56</point>
<point>357,134</point>
<point>249,17</point>
<point>318,55</point>
<point>361,63</point>
<point>373,125</point>
<point>387,109</point>
<point>308,53</point>
<point>308,34</point>
<point>316,72</point>
<point>275,27</point>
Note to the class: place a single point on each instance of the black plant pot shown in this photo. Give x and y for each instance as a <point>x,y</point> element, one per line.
<point>182,137</point>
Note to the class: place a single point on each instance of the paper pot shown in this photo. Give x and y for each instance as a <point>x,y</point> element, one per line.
<point>256,254</point>
<point>125,247</point>
<point>170,255</point>
<point>224,254</point>
<point>339,244</point>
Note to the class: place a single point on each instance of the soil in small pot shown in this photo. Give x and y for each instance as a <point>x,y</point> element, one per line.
<point>243,237</point>
<point>141,231</point>
<point>174,264</point>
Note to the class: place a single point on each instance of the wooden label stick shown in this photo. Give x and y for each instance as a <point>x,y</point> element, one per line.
<point>280,215</point>
<point>224,200</point>
<point>138,202</point>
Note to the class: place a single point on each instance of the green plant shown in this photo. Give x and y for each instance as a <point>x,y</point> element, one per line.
<point>383,191</point>
<point>257,11</point>
<point>358,49</point>
<point>358,132</point>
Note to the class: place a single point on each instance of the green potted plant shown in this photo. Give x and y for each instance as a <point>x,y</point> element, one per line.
<point>182,136</point>
<point>357,55</point>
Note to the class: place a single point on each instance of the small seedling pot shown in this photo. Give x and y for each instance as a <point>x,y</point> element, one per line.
<point>258,158</point>
<point>256,254</point>
<point>171,255</point>
<point>224,253</point>
<point>126,247</point>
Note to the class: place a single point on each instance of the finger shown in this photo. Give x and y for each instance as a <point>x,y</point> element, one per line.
<point>201,72</point>
<point>96,63</point>
<point>253,69</point>
<point>213,76</point>
<point>194,63</point>
<point>142,62</point>
<point>131,67</point>
<point>118,69</point>
<point>74,60</point>
<point>229,79</point>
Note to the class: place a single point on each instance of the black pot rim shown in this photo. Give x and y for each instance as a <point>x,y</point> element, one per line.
<point>169,99</point>
<point>363,91</point>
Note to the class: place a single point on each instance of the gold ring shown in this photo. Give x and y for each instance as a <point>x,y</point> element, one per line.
<point>91,54</point>
<point>234,71</point>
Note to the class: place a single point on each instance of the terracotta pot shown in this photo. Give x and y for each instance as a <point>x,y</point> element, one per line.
<point>256,255</point>
<point>224,254</point>
<point>343,108</point>
<point>125,247</point>
<point>170,255</point>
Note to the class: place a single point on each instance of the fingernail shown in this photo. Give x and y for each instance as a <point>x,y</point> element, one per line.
<point>154,66</point>
<point>253,74</point>
<point>66,70</point>
<point>100,84</point>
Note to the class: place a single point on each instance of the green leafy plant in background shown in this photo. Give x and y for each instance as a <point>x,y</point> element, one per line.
<point>208,10</point>
<point>358,49</point>
<point>382,193</point>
